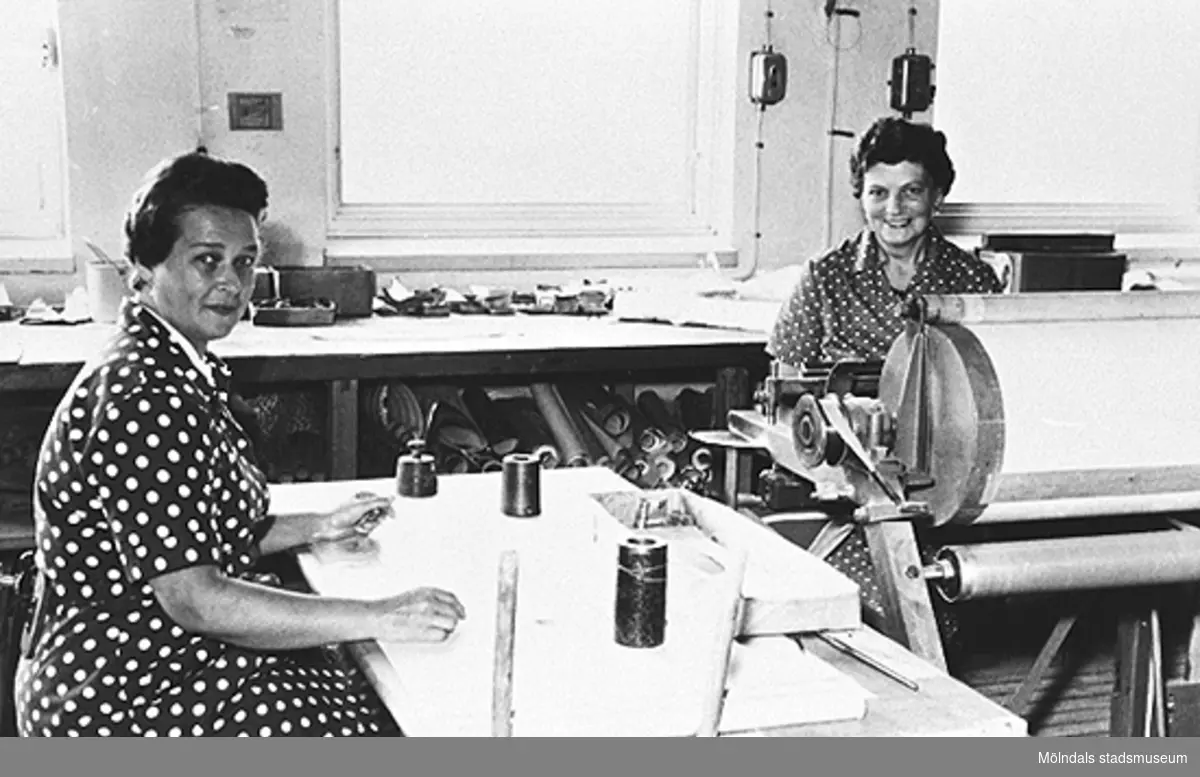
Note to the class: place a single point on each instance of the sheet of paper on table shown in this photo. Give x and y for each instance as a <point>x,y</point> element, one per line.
<point>570,677</point>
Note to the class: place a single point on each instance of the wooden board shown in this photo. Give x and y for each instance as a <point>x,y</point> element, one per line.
<point>786,589</point>
<point>570,677</point>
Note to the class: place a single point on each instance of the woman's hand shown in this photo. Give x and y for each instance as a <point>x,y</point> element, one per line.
<point>420,615</point>
<point>356,518</point>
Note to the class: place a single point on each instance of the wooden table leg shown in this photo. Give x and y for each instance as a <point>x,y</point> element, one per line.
<point>343,429</point>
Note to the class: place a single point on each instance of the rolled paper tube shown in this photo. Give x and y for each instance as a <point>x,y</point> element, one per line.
<point>520,494</point>
<point>502,659</point>
<point>644,474</point>
<point>665,466</point>
<point>614,418</point>
<point>640,612</point>
<point>653,442</point>
<point>660,417</point>
<point>491,465</point>
<point>631,437</point>
<point>599,405</point>
<point>595,450</point>
<point>702,458</point>
<point>548,456</point>
<point>562,427</point>
<point>619,460</point>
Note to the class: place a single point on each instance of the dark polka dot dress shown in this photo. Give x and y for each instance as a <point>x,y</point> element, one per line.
<point>143,471</point>
<point>843,307</point>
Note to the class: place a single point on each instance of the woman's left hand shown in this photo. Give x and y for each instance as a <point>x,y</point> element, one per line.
<point>358,517</point>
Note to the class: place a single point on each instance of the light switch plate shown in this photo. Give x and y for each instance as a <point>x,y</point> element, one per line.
<point>255,111</point>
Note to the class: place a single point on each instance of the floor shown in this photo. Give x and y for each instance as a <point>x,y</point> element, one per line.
<point>1074,697</point>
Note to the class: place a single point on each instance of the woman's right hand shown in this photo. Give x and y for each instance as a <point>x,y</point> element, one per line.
<point>420,615</point>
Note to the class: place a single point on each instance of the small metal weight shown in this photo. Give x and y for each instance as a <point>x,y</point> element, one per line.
<point>521,490</point>
<point>416,474</point>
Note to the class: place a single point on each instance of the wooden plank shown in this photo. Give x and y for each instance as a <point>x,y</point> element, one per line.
<point>942,707</point>
<point>1091,306</point>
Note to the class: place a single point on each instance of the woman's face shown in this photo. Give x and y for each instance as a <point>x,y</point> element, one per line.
<point>204,285</point>
<point>898,202</point>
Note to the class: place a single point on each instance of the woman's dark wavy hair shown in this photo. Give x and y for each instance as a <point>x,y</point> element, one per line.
<point>179,184</point>
<point>892,140</point>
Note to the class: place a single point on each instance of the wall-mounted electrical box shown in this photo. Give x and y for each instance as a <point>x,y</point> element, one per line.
<point>912,82</point>
<point>768,77</point>
<point>255,111</point>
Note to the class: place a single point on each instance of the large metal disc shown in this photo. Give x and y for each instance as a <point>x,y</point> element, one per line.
<point>966,417</point>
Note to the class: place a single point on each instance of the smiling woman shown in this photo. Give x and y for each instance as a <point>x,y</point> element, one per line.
<point>848,303</point>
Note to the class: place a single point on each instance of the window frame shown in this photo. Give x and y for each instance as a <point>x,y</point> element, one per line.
<point>37,240</point>
<point>468,236</point>
<point>1136,222</point>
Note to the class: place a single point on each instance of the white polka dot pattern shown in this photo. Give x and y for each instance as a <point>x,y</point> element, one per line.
<point>144,471</point>
<point>844,308</point>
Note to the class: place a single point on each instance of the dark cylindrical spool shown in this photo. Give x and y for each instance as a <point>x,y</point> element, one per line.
<point>641,607</point>
<point>416,474</point>
<point>521,491</point>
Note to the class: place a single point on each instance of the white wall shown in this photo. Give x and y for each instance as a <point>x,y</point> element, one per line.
<point>148,78</point>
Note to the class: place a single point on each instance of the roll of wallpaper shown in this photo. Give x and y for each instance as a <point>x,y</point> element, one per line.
<point>562,427</point>
<point>596,452</point>
<point>598,404</point>
<point>659,415</point>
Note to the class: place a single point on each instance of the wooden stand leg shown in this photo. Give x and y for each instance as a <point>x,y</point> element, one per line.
<point>1019,699</point>
<point>731,391</point>
<point>909,610</point>
<point>343,429</point>
<point>1138,683</point>
<point>737,474</point>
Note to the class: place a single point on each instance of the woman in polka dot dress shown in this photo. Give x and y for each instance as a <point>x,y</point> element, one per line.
<point>151,515</point>
<point>848,303</point>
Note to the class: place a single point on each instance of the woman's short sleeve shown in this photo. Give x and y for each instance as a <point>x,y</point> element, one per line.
<point>796,336</point>
<point>151,459</point>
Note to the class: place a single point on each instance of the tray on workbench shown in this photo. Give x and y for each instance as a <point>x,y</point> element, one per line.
<point>286,313</point>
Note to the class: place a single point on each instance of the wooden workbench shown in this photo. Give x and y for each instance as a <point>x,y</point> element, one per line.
<point>424,686</point>
<point>502,348</point>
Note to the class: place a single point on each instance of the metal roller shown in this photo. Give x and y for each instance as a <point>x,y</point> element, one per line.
<point>963,572</point>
